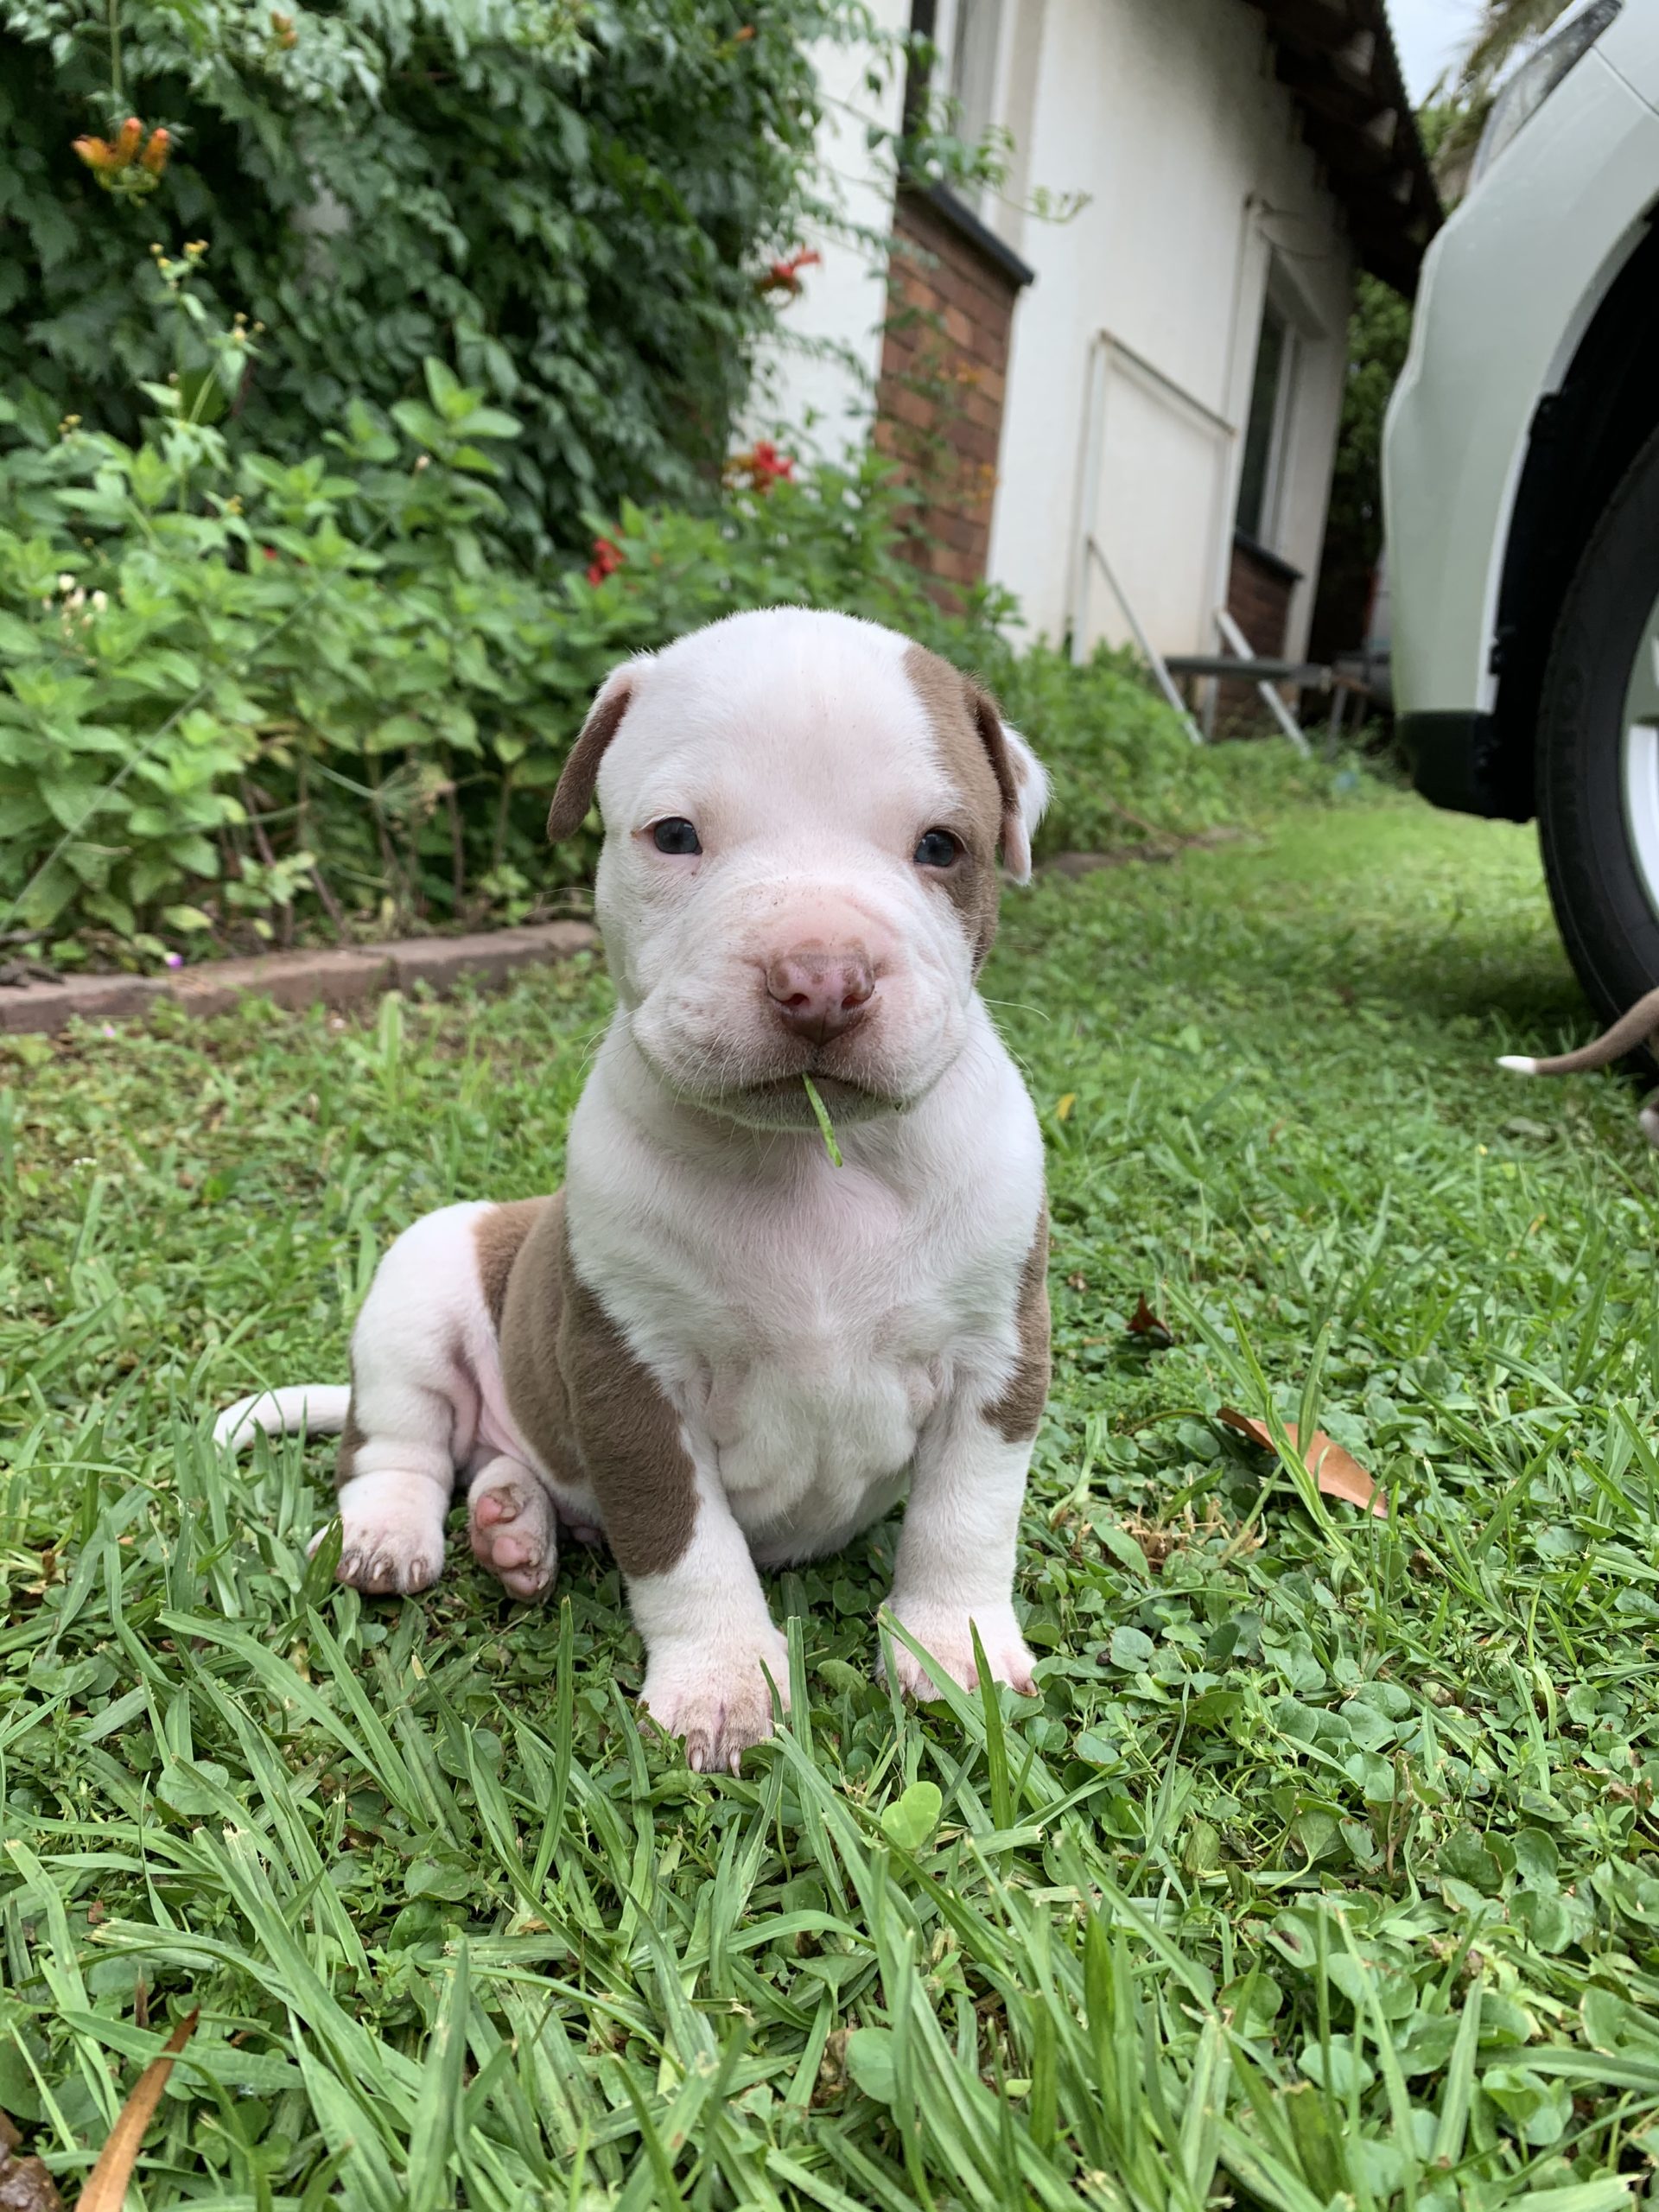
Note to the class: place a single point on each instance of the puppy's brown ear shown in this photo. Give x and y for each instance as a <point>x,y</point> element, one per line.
<point>575,794</point>
<point>1021,782</point>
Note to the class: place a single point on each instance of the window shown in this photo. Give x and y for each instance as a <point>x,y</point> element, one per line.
<point>966,37</point>
<point>974,35</point>
<point>1264,434</point>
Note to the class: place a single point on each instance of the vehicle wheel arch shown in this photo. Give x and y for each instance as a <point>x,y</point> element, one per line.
<point>1583,438</point>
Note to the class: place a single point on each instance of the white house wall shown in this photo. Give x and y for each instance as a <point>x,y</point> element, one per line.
<point>1167,114</point>
<point>821,378</point>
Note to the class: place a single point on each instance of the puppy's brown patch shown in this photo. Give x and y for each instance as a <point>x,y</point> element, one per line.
<point>499,1236</point>
<point>630,1435</point>
<point>532,1317</point>
<point>1017,1414</point>
<point>960,714</point>
<point>590,1409</point>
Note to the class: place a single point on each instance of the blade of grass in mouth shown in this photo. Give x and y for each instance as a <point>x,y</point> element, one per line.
<point>824,1123</point>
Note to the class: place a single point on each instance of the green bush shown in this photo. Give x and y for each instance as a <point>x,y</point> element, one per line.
<point>246,696</point>
<point>569,206</point>
<point>235,685</point>
<point>1124,772</point>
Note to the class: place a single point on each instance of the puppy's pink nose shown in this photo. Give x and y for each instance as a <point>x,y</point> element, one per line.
<point>820,992</point>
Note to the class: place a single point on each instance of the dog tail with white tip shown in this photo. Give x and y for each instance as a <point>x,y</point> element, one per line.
<point>1630,1030</point>
<point>309,1409</point>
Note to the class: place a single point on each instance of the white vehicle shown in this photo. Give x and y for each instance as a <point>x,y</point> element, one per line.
<point>1521,490</point>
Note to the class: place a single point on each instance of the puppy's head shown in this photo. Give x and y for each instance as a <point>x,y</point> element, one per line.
<point>803,816</point>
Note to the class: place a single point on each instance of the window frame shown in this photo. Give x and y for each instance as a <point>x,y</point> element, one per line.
<point>939,23</point>
<point>1279,304</point>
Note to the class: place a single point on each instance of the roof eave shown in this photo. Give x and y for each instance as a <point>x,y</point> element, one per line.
<point>1337,59</point>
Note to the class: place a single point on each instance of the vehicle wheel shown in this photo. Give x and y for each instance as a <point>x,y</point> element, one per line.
<point>1598,788</point>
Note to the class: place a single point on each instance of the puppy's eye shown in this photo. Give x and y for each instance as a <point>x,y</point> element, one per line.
<point>938,848</point>
<point>675,835</point>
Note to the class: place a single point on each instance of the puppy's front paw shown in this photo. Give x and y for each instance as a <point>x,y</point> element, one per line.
<point>946,1632</point>
<point>715,1696</point>
<point>386,1558</point>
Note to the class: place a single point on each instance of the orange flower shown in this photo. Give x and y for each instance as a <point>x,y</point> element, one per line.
<point>98,155</point>
<point>110,161</point>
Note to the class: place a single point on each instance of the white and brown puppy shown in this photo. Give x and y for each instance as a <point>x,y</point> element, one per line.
<point>715,1346</point>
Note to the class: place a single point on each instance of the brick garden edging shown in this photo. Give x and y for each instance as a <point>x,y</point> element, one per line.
<point>342,978</point>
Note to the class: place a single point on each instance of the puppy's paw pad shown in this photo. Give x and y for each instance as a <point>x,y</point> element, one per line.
<point>717,1697</point>
<point>949,1637</point>
<point>514,1532</point>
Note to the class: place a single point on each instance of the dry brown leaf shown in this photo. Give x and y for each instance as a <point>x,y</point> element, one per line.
<point>1337,1473</point>
<point>27,2186</point>
<point>106,2185</point>
<point>1143,1322</point>
<point>832,2070</point>
<point>25,2183</point>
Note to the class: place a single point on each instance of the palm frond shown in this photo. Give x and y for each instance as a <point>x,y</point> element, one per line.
<point>1506,28</point>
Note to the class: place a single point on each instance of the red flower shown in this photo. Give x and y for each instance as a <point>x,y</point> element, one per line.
<point>607,559</point>
<point>785,276</point>
<point>762,464</point>
<point>766,464</point>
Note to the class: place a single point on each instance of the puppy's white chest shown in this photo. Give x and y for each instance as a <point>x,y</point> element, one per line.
<point>813,1436</point>
<point>807,1321</point>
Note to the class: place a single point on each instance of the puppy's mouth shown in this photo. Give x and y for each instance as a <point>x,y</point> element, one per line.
<point>754,1074</point>
<point>786,1105</point>
<point>780,1101</point>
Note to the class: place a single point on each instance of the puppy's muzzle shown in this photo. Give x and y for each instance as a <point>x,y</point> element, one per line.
<point>819,992</point>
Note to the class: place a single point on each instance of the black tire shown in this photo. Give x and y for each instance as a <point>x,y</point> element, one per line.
<point>1606,915</point>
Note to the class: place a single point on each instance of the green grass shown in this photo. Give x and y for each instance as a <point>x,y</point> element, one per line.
<point>1323,1870</point>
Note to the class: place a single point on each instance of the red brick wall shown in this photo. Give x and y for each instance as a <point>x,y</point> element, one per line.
<point>1259,590</point>
<point>944,363</point>
<point>1258,598</point>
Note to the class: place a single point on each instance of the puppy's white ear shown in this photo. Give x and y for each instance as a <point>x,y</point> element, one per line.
<point>575,794</point>
<point>1019,777</point>
<point>1030,785</point>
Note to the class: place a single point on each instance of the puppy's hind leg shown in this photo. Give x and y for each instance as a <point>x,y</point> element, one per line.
<point>1649,1120</point>
<point>513,1526</point>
